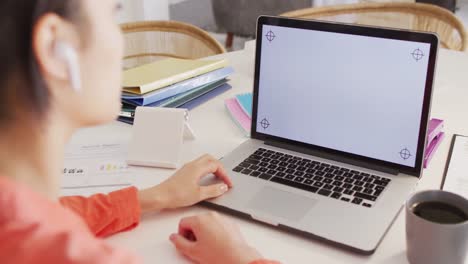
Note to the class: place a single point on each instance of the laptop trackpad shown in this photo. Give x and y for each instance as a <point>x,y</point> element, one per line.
<point>282,204</point>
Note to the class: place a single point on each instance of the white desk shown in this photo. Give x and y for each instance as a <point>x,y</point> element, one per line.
<point>217,135</point>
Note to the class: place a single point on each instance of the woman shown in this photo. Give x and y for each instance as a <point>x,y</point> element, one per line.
<point>60,69</point>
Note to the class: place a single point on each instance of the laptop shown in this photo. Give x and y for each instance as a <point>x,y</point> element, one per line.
<point>340,114</point>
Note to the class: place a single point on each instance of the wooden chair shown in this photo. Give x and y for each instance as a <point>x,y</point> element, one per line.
<point>149,41</point>
<point>413,16</point>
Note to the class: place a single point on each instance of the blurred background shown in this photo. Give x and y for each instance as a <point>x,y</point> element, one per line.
<point>232,22</point>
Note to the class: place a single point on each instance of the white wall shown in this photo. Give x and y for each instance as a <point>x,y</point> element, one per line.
<point>156,9</point>
<point>131,10</point>
<point>137,10</point>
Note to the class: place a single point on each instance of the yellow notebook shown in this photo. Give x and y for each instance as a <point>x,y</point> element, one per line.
<point>154,76</point>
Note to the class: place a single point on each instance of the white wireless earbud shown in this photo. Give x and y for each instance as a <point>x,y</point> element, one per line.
<point>70,56</point>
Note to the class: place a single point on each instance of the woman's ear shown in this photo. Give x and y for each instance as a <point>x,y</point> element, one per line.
<point>55,54</point>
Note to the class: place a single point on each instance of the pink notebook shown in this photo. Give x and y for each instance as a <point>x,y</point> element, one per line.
<point>434,138</point>
<point>238,115</point>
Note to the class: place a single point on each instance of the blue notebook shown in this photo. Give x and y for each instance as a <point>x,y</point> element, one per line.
<point>245,102</point>
<point>178,88</point>
<point>174,100</point>
<point>205,97</point>
<point>202,98</point>
<point>168,101</point>
<point>191,95</point>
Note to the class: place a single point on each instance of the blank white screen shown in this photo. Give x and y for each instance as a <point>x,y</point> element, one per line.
<point>357,94</point>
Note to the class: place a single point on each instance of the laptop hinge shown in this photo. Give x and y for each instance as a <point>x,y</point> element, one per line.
<point>332,157</point>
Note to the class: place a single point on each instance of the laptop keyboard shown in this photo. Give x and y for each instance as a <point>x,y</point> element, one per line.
<point>339,183</point>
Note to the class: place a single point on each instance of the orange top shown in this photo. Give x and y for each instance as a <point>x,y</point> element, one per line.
<point>34,229</point>
<point>108,214</point>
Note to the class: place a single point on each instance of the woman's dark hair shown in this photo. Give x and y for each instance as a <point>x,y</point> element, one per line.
<point>20,78</point>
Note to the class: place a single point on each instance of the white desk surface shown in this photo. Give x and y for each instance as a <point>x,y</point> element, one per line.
<point>217,134</point>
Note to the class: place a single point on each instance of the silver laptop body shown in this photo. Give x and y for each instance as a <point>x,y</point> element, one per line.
<point>339,118</point>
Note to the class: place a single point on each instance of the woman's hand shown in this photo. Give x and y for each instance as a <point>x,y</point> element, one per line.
<point>209,238</point>
<point>183,189</point>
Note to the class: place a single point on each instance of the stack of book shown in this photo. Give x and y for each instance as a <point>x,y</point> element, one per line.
<point>240,110</point>
<point>174,83</point>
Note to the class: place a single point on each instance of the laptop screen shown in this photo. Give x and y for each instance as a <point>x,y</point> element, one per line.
<point>356,94</point>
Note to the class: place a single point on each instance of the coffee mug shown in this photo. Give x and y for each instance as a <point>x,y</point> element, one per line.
<point>436,228</point>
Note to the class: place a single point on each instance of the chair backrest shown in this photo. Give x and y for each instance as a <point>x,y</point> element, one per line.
<point>149,41</point>
<point>240,16</point>
<point>413,16</point>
